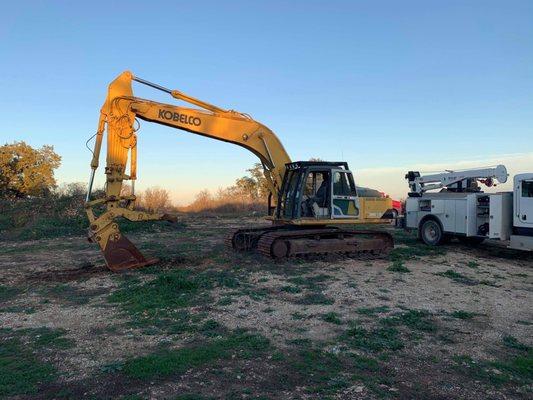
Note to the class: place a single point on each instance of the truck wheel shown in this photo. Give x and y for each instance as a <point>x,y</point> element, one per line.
<point>431,232</point>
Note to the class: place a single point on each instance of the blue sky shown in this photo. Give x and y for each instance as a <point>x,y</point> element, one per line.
<point>380,84</point>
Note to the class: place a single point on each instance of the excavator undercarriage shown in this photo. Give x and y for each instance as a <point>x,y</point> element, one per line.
<point>285,242</point>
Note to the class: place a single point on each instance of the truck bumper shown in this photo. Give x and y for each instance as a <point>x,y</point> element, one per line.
<point>520,242</point>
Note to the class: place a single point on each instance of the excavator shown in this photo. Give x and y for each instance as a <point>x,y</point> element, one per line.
<point>311,203</point>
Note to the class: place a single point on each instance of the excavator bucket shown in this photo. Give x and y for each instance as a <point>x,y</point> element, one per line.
<point>121,255</point>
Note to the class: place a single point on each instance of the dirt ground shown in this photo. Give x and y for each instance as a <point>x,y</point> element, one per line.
<point>450,322</point>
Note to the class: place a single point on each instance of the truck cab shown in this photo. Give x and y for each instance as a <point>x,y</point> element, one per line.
<point>522,237</point>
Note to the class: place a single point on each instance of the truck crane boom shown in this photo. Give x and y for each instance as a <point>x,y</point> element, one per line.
<point>419,184</point>
<point>285,180</point>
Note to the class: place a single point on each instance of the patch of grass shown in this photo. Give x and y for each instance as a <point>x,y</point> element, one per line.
<point>457,277</point>
<point>8,293</point>
<point>314,283</point>
<point>488,283</point>
<point>324,374</point>
<point>513,343</point>
<point>162,302</point>
<point>291,289</point>
<point>398,266</point>
<point>174,362</point>
<point>472,264</point>
<point>515,369</point>
<point>225,301</point>
<point>320,371</point>
<point>375,340</point>
<point>166,292</point>
<point>365,363</point>
<point>415,250</point>
<point>256,294</point>
<point>19,310</point>
<point>332,318</point>
<point>316,298</point>
<point>49,338</point>
<point>70,294</point>
<point>461,314</point>
<point>211,328</point>
<point>300,342</point>
<point>222,278</point>
<point>298,316</point>
<point>20,371</point>
<point>414,319</point>
<point>372,310</point>
<point>351,284</point>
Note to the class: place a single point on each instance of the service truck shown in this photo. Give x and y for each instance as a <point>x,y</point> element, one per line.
<point>451,204</point>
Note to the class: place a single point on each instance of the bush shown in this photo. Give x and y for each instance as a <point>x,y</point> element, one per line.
<point>61,213</point>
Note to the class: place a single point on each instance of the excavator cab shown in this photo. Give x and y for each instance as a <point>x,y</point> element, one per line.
<point>317,190</point>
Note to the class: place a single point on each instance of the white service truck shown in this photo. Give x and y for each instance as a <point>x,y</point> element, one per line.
<point>460,209</point>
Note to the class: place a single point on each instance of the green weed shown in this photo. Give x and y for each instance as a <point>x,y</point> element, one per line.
<point>375,340</point>
<point>291,289</point>
<point>513,343</point>
<point>414,250</point>
<point>316,298</point>
<point>298,316</point>
<point>518,368</point>
<point>332,318</point>
<point>20,371</point>
<point>8,293</point>
<point>414,319</point>
<point>172,362</point>
<point>461,314</point>
<point>398,266</point>
<point>457,277</point>
<point>49,338</point>
<point>372,310</point>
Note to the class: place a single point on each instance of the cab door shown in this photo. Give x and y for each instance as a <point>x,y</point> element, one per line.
<point>344,201</point>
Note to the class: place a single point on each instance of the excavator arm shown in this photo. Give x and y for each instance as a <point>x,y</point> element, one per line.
<point>118,117</point>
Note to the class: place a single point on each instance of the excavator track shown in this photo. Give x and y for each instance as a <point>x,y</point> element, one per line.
<point>282,243</point>
<point>246,239</point>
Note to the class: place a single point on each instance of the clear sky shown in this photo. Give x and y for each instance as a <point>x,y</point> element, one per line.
<point>384,85</point>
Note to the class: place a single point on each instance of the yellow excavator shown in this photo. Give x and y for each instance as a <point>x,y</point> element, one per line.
<point>311,203</point>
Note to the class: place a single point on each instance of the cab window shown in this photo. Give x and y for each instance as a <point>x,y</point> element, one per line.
<point>342,185</point>
<point>527,188</point>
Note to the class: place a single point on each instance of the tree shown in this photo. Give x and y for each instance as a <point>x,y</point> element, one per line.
<point>261,183</point>
<point>246,188</point>
<point>154,199</point>
<point>203,200</point>
<point>25,171</point>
